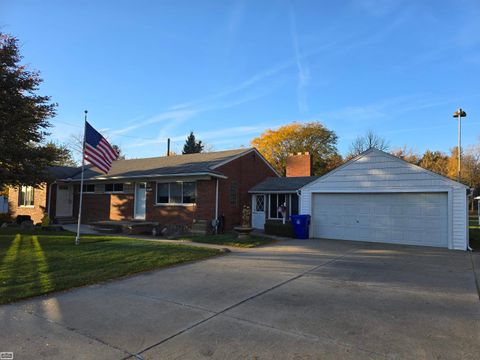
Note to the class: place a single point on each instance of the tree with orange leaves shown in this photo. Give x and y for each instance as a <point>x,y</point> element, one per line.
<point>313,137</point>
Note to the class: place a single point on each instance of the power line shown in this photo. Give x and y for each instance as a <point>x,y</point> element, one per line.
<point>128,136</point>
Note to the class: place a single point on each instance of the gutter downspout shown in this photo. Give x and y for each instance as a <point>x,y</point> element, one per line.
<point>216,206</point>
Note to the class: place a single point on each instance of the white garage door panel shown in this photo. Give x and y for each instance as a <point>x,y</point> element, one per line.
<point>401,218</point>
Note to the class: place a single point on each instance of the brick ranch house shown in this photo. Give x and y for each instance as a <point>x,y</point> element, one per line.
<point>175,190</point>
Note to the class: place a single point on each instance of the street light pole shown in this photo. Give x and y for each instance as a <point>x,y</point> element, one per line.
<point>459,114</point>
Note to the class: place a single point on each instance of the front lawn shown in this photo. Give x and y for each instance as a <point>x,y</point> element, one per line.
<point>38,262</point>
<point>474,233</point>
<point>229,239</point>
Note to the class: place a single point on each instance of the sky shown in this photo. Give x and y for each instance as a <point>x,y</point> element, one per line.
<point>229,70</point>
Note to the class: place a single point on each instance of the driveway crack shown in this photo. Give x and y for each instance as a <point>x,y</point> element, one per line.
<point>76,331</point>
<point>263,292</point>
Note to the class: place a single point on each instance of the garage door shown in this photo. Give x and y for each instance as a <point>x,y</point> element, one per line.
<point>400,218</point>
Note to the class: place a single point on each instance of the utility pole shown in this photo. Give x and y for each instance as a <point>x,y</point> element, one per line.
<point>459,114</point>
<point>168,147</point>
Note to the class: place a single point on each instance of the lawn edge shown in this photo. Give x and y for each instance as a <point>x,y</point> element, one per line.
<point>122,277</point>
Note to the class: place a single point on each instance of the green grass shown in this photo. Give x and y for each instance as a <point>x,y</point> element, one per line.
<point>474,233</point>
<point>37,262</point>
<point>230,239</point>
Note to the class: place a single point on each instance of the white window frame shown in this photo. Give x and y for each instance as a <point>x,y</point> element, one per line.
<point>174,204</point>
<point>20,196</point>
<point>288,198</point>
<point>114,191</point>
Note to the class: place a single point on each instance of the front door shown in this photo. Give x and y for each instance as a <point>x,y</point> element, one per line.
<point>140,200</point>
<point>258,213</point>
<point>64,204</point>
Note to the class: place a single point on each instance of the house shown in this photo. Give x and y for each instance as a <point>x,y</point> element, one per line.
<point>175,190</point>
<point>268,195</point>
<point>374,197</point>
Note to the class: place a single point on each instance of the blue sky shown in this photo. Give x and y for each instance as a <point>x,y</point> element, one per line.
<point>228,70</point>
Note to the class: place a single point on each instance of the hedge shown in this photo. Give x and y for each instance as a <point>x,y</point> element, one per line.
<point>277,228</point>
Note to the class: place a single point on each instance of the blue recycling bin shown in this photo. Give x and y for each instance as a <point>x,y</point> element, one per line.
<point>301,224</point>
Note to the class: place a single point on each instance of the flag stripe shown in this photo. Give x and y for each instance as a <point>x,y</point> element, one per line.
<point>108,154</point>
<point>96,161</point>
<point>98,151</point>
<point>97,154</point>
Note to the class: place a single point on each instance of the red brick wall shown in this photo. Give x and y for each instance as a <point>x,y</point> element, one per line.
<point>299,165</point>
<point>167,214</point>
<point>101,207</point>
<point>205,209</point>
<point>39,203</point>
<point>248,171</point>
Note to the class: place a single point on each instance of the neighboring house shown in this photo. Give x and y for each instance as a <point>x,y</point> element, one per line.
<point>35,201</point>
<point>174,190</point>
<point>374,197</point>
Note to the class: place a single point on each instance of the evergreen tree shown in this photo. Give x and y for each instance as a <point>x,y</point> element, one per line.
<point>24,116</point>
<point>192,146</point>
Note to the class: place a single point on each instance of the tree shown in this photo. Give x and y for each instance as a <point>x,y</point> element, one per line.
<point>64,155</point>
<point>365,142</point>
<point>435,161</point>
<point>117,148</point>
<point>406,154</point>
<point>76,143</point>
<point>192,146</point>
<point>313,137</point>
<point>23,120</point>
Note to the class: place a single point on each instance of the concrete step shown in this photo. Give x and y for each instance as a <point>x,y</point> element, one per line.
<point>66,220</point>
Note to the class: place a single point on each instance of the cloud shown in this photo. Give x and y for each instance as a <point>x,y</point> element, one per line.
<point>174,117</point>
<point>236,17</point>
<point>303,71</point>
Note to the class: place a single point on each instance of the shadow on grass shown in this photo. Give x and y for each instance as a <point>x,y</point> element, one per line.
<point>36,264</point>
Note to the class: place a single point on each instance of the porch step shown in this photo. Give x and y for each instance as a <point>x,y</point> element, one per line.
<point>66,220</point>
<point>200,227</point>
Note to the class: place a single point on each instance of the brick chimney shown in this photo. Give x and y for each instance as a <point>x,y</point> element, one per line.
<point>299,164</point>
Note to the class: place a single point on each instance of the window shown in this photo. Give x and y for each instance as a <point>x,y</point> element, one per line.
<point>233,192</point>
<point>275,200</point>
<point>273,206</point>
<point>88,188</point>
<point>162,193</point>
<point>177,193</point>
<point>118,187</point>
<point>189,193</point>
<point>260,203</point>
<point>294,204</point>
<point>26,196</point>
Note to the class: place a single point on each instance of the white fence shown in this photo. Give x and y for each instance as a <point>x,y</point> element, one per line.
<point>3,205</point>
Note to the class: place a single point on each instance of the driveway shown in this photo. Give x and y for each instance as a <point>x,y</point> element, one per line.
<point>314,299</point>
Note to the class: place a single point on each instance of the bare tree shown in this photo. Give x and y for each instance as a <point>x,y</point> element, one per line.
<point>367,141</point>
<point>75,142</point>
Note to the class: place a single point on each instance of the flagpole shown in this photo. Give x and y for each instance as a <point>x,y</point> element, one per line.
<point>77,238</point>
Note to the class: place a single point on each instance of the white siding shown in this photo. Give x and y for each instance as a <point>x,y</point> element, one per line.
<point>376,171</point>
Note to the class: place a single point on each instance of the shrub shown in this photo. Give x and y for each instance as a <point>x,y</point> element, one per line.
<point>21,218</point>
<point>277,228</point>
<point>5,218</point>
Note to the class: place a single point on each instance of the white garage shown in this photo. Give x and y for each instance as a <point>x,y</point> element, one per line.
<point>380,198</point>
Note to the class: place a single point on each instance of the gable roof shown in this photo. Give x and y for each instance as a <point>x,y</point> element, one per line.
<point>342,170</point>
<point>282,184</point>
<point>177,165</point>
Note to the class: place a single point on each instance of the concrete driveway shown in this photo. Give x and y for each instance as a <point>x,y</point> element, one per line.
<point>314,299</point>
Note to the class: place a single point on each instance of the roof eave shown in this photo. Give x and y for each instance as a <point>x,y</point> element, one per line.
<point>214,175</point>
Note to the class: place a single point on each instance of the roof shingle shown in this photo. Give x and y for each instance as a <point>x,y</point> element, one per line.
<point>164,165</point>
<point>279,184</point>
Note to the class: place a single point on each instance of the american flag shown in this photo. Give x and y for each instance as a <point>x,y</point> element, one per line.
<point>97,150</point>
